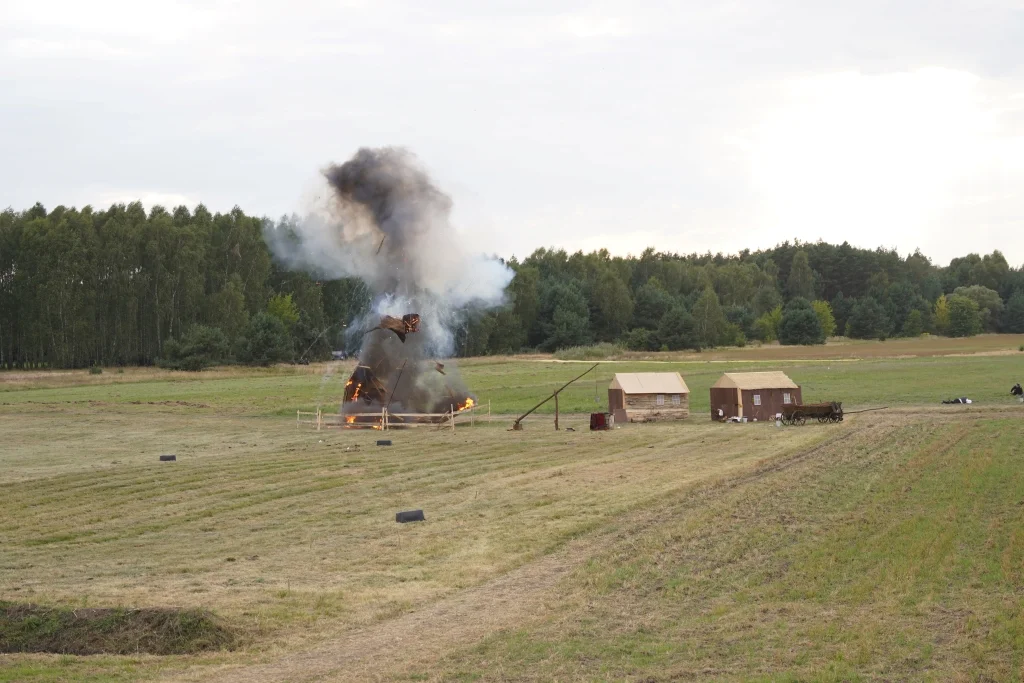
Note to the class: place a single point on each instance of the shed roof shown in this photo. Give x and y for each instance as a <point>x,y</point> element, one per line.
<point>650,383</point>
<point>755,380</point>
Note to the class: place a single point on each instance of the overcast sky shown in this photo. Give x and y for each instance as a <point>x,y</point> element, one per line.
<point>687,126</point>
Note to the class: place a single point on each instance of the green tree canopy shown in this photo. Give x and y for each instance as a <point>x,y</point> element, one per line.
<point>768,325</point>
<point>990,306</point>
<point>823,310</point>
<point>265,341</point>
<point>678,330</point>
<point>1013,317</point>
<point>199,348</point>
<point>800,324</point>
<point>913,326</point>
<point>867,320</point>
<point>652,303</point>
<point>283,308</point>
<point>708,318</point>
<point>801,277</point>
<point>964,316</point>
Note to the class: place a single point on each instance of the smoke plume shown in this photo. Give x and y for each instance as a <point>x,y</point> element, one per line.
<point>385,222</point>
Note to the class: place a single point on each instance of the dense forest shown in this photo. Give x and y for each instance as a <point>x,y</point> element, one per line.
<point>188,288</point>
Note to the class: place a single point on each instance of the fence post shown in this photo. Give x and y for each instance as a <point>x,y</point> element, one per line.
<point>453,418</point>
<point>298,418</point>
<point>318,419</point>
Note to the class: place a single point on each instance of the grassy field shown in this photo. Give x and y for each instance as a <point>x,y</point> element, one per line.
<point>875,374</point>
<point>888,547</point>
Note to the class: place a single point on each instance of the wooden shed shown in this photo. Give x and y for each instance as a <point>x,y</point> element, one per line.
<point>753,395</point>
<point>648,396</point>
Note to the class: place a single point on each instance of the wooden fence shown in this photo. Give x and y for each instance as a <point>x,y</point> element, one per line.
<point>387,420</point>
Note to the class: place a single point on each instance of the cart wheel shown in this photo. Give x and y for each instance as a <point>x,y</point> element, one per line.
<point>799,419</point>
<point>822,419</point>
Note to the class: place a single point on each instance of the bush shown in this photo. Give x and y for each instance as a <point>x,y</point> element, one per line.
<point>600,351</point>
<point>732,335</point>
<point>767,326</point>
<point>95,370</point>
<point>265,341</point>
<point>200,348</point>
<point>640,339</point>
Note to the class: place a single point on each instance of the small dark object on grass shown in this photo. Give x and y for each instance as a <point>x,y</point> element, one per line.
<point>410,516</point>
<point>569,429</point>
<point>384,442</point>
<point>1016,390</point>
<point>168,458</point>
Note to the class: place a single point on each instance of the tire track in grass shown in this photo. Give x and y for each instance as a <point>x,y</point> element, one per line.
<point>511,599</point>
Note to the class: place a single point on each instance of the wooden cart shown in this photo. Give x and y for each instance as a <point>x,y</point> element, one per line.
<point>822,412</point>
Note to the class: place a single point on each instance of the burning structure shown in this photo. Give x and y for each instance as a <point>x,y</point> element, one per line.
<point>384,222</point>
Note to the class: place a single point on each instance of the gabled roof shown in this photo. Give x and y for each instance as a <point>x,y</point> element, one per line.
<point>755,380</point>
<point>650,383</point>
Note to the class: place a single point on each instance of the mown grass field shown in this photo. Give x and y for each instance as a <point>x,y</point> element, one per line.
<point>889,547</point>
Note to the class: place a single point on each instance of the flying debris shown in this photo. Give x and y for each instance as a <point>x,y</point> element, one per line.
<point>387,224</point>
<point>410,322</point>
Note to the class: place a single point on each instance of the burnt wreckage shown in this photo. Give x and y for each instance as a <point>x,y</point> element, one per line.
<point>390,378</point>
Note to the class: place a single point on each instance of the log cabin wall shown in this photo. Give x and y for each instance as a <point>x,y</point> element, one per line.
<point>645,407</point>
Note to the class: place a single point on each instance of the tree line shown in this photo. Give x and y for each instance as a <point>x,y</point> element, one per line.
<point>189,288</point>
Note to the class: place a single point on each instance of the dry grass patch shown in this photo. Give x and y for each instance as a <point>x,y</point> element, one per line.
<point>289,534</point>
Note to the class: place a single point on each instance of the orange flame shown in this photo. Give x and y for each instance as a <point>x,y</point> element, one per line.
<point>350,419</point>
<point>468,404</point>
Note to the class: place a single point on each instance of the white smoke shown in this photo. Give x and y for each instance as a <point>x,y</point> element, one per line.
<point>382,220</point>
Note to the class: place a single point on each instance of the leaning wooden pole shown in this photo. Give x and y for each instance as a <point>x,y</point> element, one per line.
<point>397,379</point>
<point>516,425</point>
<point>556,411</point>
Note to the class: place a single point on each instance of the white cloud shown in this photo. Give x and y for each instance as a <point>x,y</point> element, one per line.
<point>883,159</point>
<point>684,125</point>
<point>32,48</point>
